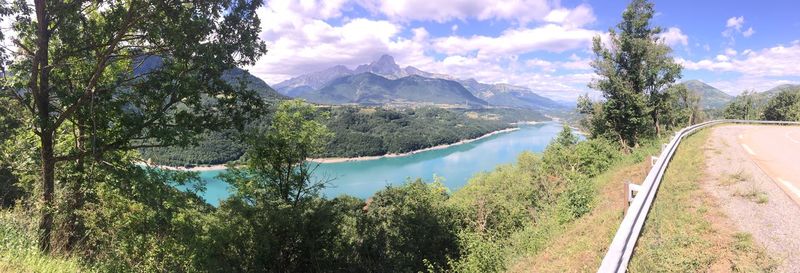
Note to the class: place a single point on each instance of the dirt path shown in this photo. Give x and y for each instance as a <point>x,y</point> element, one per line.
<point>751,199</point>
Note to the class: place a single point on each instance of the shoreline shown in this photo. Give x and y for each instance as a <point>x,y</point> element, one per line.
<point>393,155</point>
<point>220,167</point>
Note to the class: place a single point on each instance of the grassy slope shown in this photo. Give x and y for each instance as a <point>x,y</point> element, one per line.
<point>683,232</point>
<point>580,245</point>
<point>18,251</point>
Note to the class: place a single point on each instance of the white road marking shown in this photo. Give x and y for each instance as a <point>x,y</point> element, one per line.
<point>791,138</point>
<point>791,187</point>
<point>746,148</point>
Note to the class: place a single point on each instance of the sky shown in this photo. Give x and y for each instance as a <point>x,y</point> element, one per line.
<point>541,44</point>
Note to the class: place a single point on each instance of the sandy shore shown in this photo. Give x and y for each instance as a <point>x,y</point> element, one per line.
<point>364,158</point>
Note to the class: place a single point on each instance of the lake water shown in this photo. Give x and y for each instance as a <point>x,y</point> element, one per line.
<point>454,164</point>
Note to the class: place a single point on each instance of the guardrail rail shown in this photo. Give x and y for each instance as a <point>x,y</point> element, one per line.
<point>621,248</point>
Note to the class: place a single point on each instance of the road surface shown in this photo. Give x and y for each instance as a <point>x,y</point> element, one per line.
<point>776,150</point>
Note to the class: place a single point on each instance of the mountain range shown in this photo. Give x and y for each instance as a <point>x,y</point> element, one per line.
<point>384,82</point>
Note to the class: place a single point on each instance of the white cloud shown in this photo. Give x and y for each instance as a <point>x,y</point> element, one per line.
<point>577,17</point>
<point>749,32</point>
<point>733,26</point>
<point>730,52</point>
<point>522,11</point>
<point>759,69</point>
<point>735,22</point>
<point>778,61</point>
<point>302,39</point>
<point>674,36</point>
<point>552,38</point>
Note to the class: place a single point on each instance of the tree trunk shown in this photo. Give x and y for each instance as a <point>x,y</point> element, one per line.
<point>654,114</point>
<point>74,224</point>
<point>41,88</point>
<point>48,171</point>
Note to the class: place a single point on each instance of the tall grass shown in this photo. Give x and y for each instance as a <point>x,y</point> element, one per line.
<point>19,252</point>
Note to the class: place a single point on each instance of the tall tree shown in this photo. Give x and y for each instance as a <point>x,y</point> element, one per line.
<point>125,74</point>
<point>635,70</point>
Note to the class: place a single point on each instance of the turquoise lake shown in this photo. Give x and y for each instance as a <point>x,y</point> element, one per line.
<point>454,164</point>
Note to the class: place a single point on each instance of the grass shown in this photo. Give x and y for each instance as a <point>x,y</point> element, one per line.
<point>685,232</point>
<point>754,195</point>
<point>18,251</point>
<point>735,178</point>
<point>580,245</point>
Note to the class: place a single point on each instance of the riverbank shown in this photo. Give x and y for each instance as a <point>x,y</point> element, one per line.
<point>220,167</point>
<point>437,147</point>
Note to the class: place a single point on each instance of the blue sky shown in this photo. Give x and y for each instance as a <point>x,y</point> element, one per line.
<point>541,44</point>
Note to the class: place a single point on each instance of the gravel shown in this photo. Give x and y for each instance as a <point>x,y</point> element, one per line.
<point>774,224</point>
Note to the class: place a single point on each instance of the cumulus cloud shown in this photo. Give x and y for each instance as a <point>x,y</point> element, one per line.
<point>577,17</point>
<point>303,39</point>
<point>522,11</point>
<point>778,61</point>
<point>674,36</point>
<point>759,69</point>
<point>551,37</point>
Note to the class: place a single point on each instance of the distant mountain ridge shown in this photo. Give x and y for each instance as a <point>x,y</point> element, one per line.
<point>323,87</point>
<point>369,88</point>
<point>710,97</point>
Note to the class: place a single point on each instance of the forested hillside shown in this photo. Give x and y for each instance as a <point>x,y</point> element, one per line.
<point>360,131</point>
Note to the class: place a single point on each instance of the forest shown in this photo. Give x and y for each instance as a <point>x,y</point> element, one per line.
<point>358,131</point>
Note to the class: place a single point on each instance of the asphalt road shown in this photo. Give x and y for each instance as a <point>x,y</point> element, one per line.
<point>776,150</point>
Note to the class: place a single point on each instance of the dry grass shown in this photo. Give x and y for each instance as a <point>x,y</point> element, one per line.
<point>686,232</point>
<point>581,246</point>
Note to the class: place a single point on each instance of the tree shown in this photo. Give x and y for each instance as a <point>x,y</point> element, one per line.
<point>684,107</point>
<point>742,107</point>
<point>635,70</point>
<point>785,106</point>
<point>121,75</point>
<point>287,227</point>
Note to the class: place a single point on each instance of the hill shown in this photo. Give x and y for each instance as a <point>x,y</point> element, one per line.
<point>254,83</point>
<point>371,89</point>
<point>710,97</point>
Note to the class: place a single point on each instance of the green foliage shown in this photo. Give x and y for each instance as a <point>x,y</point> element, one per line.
<point>404,226</point>
<point>785,106</point>
<point>358,131</point>
<point>635,72</point>
<point>18,250</point>
<point>744,106</point>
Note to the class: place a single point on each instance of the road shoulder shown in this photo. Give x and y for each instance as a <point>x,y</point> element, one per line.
<point>750,199</point>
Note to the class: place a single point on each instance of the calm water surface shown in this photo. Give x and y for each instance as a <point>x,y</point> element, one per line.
<point>454,164</point>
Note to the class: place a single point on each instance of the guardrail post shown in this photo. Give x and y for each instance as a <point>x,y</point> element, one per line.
<point>653,160</point>
<point>631,189</point>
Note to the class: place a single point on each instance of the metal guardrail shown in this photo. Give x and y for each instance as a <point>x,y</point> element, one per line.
<point>621,248</point>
